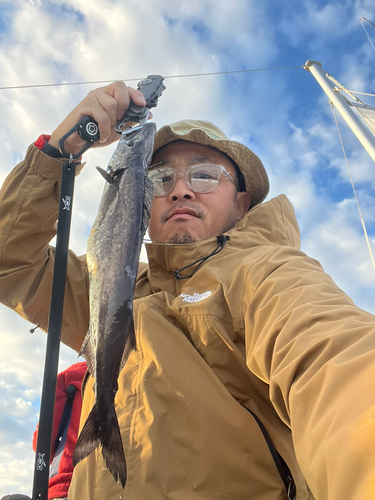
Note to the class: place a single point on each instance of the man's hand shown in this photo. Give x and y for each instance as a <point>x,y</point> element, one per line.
<point>106,105</point>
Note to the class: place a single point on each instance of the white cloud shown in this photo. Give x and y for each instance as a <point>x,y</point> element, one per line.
<point>339,244</point>
<point>318,22</point>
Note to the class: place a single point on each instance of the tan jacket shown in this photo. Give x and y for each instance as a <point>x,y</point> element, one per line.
<point>260,325</point>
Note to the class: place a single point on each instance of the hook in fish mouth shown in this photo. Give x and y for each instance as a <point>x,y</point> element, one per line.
<point>130,134</point>
<point>129,131</point>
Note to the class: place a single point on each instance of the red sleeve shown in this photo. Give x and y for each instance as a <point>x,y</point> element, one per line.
<point>42,139</point>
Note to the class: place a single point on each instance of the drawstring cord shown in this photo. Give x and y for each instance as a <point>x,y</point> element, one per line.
<point>221,241</point>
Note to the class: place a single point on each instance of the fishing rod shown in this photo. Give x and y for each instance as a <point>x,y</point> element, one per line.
<point>88,130</point>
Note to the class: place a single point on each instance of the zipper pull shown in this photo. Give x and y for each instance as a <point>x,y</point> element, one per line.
<point>291,488</point>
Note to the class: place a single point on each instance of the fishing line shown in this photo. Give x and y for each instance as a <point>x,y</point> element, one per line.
<point>137,79</point>
<point>352,183</point>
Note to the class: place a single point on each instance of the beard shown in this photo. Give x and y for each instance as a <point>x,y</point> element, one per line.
<point>181,238</point>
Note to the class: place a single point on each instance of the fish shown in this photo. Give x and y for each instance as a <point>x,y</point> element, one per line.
<point>113,251</point>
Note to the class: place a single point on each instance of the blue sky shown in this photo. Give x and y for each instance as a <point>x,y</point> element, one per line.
<point>283,115</point>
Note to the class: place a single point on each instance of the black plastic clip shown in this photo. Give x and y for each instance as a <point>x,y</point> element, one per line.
<point>152,88</point>
<point>88,130</point>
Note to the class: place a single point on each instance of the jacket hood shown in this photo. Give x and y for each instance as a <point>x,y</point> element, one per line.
<point>270,223</point>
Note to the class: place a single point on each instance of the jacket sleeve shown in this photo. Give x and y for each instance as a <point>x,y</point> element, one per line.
<point>316,350</point>
<point>28,213</point>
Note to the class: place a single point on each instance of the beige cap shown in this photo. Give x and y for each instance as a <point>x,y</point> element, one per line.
<point>206,133</point>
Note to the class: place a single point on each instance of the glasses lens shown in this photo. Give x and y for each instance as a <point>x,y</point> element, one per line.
<point>204,178</point>
<point>163,180</point>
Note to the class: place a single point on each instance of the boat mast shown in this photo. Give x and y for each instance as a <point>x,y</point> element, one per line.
<point>341,104</point>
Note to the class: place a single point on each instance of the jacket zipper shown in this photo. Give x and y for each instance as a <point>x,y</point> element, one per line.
<point>280,463</point>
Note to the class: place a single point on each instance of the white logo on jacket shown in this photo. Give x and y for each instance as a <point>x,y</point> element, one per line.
<point>196,297</point>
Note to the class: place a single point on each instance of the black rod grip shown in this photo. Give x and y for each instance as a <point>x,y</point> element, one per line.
<point>43,447</point>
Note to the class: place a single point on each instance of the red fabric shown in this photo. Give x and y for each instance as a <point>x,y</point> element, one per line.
<point>59,484</point>
<point>42,139</point>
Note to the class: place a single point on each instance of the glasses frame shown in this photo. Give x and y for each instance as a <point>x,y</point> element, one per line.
<point>222,170</point>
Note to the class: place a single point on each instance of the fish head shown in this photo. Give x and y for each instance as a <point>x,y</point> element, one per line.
<point>141,136</point>
<point>135,148</point>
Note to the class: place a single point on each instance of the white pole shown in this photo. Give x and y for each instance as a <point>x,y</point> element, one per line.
<point>365,137</point>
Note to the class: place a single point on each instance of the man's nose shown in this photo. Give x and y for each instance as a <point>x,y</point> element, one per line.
<point>181,190</point>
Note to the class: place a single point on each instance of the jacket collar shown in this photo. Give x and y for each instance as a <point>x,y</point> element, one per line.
<point>268,224</point>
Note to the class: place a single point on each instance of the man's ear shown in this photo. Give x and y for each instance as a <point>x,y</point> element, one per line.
<point>243,202</point>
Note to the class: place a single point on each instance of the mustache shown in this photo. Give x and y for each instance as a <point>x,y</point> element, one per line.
<point>197,211</point>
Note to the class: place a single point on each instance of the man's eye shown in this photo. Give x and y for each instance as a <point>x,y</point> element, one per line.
<point>165,178</point>
<point>202,175</point>
<point>162,177</point>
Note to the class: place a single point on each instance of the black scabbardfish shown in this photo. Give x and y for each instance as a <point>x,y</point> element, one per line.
<point>112,255</point>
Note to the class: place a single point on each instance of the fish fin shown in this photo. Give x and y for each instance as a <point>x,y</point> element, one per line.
<point>147,203</point>
<point>129,346</point>
<point>113,450</point>
<point>88,353</point>
<point>105,174</point>
<point>106,433</point>
<point>89,437</point>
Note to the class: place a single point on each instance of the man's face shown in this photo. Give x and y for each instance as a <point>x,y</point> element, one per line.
<point>184,216</point>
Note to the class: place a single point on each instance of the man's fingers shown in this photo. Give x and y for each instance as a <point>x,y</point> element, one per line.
<point>105,113</point>
<point>103,104</point>
<point>137,97</point>
<point>114,100</point>
<point>106,105</point>
<point>124,96</point>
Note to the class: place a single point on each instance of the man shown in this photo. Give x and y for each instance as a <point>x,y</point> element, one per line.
<point>253,374</point>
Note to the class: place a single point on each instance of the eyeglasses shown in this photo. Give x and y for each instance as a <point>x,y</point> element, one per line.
<point>202,178</point>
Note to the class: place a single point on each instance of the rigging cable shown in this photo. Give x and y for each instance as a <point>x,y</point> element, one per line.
<point>362,93</point>
<point>373,26</point>
<point>352,183</point>
<point>137,79</point>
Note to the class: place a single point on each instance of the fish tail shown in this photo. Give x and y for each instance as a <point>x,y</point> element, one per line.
<point>112,449</point>
<point>107,433</point>
<point>89,437</point>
